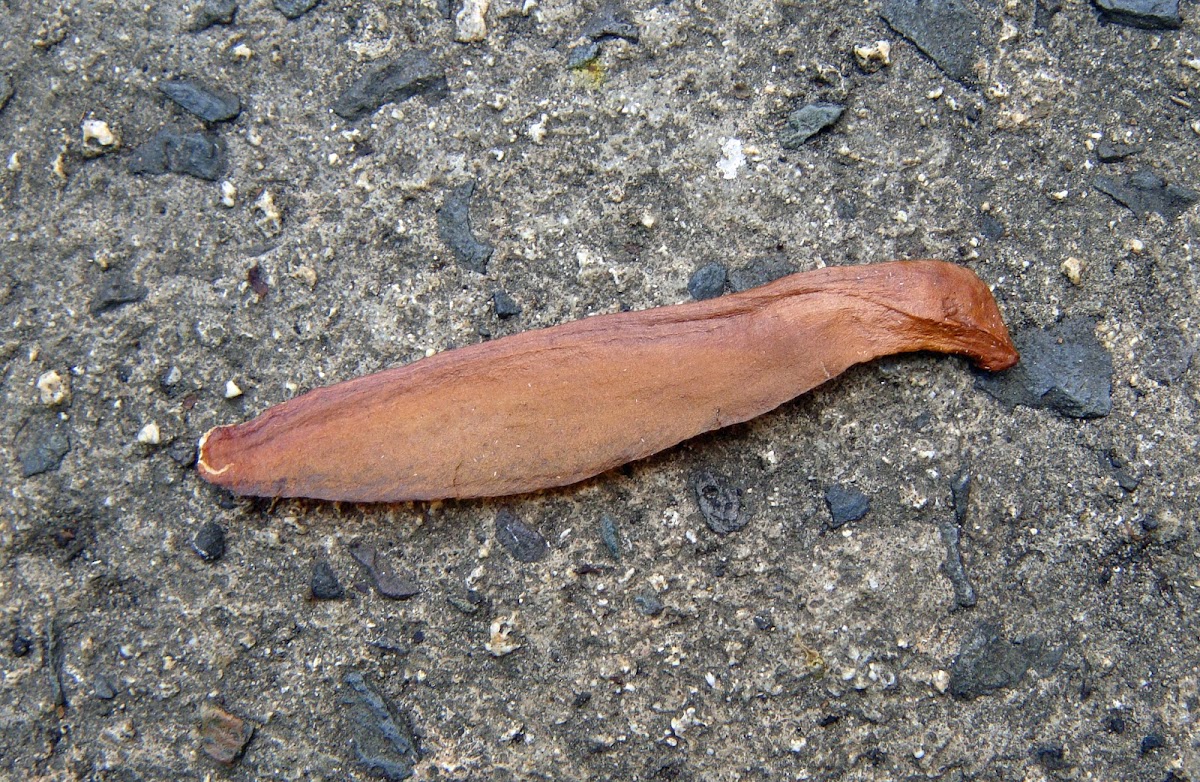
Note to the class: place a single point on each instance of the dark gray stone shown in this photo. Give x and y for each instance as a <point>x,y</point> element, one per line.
<point>1108,152</point>
<point>960,495</point>
<point>1146,192</point>
<point>115,289</point>
<point>986,662</point>
<point>389,583</point>
<point>209,542</point>
<point>947,31</point>
<point>1167,353</point>
<point>584,53</point>
<point>522,541</point>
<point>964,592</point>
<point>412,73</point>
<point>1063,367</point>
<point>211,104</point>
<point>294,9</point>
<point>846,504</point>
<point>6,90</point>
<point>759,272</point>
<point>611,20</point>
<point>381,739</point>
<point>1051,757</point>
<point>105,688</point>
<point>808,121</point>
<point>610,536</point>
<point>720,503</point>
<point>648,604</point>
<point>41,443</point>
<point>325,584</point>
<point>708,282</point>
<point>201,155</point>
<point>454,227</point>
<point>22,644</point>
<point>1146,14</point>
<point>213,12</point>
<point>505,305</point>
<point>991,228</point>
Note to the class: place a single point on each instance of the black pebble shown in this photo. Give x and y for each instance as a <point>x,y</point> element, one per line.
<point>1114,723</point>
<point>213,12</point>
<point>412,73</point>
<point>581,699</point>
<point>720,503</point>
<point>504,304</point>
<point>1152,741</point>
<point>325,584</point>
<point>454,228</point>
<point>846,504</point>
<point>947,31</point>
<point>708,282</point>
<point>294,9</point>
<point>209,542</point>
<point>764,623</point>
<point>6,90</point>
<point>41,443</point>
<point>648,604</point>
<point>808,121</point>
<point>21,645</point>
<point>1146,14</point>
<point>523,542</point>
<point>116,289</point>
<point>210,104</point>
<point>1145,192</point>
<point>201,155</point>
<point>1063,367</point>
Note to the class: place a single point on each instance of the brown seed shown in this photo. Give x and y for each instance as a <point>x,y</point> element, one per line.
<point>555,406</point>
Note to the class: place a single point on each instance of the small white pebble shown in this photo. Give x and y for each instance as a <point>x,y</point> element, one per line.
<point>1135,246</point>
<point>941,680</point>
<point>1073,269</point>
<point>98,131</point>
<point>149,434</point>
<point>53,388</point>
<point>537,131</point>
<point>232,390</point>
<point>229,193</point>
<point>242,52</point>
<point>935,93</point>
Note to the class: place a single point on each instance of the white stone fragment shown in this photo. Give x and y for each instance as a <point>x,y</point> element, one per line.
<point>232,390</point>
<point>470,25</point>
<point>229,193</point>
<point>733,158</point>
<point>53,388</point>
<point>149,434</point>
<point>501,642</point>
<point>1073,269</point>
